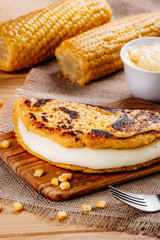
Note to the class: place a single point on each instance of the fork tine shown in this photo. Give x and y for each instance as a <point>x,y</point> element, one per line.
<point>144,202</point>
<point>144,208</point>
<point>132,196</point>
<point>129,200</point>
<point>128,197</point>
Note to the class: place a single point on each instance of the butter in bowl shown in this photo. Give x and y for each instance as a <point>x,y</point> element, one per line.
<point>141,58</point>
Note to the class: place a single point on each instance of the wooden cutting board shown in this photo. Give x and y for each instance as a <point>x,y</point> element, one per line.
<point>24,164</point>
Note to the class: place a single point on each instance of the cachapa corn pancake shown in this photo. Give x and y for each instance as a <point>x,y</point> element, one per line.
<point>82,126</point>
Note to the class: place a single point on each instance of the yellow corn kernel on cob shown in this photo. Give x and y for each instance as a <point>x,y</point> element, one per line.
<point>33,38</point>
<point>96,53</point>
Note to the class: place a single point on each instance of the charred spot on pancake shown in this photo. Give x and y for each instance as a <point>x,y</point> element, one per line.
<point>73,114</point>
<point>72,133</point>
<point>79,131</point>
<point>98,132</point>
<point>124,122</point>
<point>40,125</point>
<point>109,109</point>
<point>76,139</point>
<point>32,116</point>
<point>45,119</point>
<point>152,118</point>
<point>27,102</point>
<point>150,131</point>
<point>142,133</point>
<point>69,121</point>
<point>41,102</point>
<point>64,126</point>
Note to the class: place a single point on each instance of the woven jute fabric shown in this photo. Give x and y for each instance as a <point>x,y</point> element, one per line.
<point>46,81</point>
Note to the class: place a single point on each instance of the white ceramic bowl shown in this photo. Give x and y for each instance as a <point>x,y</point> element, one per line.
<point>142,83</point>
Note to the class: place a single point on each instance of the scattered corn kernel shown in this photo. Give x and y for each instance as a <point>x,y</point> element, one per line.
<point>62,215</point>
<point>101,204</point>
<point>62,178</point>
<point>87,207</point>
<point>0,208</point>
<point>17,207</point>
<point>1,103</point>
<point>68,175</point>
<point>59,75</point>
<point>65,185</point>
<point>54,181</point>
<point>38,172</point>
<point>5,144</point>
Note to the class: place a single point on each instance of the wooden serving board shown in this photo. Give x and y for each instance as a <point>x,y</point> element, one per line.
<point>24,164</point>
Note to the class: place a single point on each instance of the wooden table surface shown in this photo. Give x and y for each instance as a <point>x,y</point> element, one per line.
<point>26,225</point>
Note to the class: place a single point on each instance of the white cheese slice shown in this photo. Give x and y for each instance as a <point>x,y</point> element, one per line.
<point>86,157</point>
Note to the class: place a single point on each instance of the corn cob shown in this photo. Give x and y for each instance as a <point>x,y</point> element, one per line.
<point>33,38</point>
<point>96,53</point>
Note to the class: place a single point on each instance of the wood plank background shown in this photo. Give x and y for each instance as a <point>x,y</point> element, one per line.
<point>24,225</point>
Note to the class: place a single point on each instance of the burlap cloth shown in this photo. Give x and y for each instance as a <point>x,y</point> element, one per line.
<point>43,81</point>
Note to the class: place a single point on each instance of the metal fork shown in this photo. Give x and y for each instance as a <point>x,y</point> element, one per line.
<point>144,202</point>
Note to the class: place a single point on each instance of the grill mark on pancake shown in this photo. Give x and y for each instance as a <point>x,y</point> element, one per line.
<point>45,119</point>
<point>72,133</point>
<point>41,102</point>
<point>27,102</point>
<point>32,116</point>
<point>108,109</point>
<point>141,133</point>
<point>98,132</point>
<point>73,114</point>
<point>123,123</point>
<point>79,131</point>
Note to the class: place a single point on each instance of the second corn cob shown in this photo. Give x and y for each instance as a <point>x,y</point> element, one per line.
<point>33,38</point>
<point>96,53</point>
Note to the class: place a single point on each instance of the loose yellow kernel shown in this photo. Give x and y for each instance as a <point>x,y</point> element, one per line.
<point>62,178</point>
<point>1,103</point>
<point>38,172</point>
<point>62,215</point>
<point>101,204</point>
<point>54,181</point>
<point>87,207</point>
<point>65,185</point>
<point>0,208</point>
<point>5,144</point>
<point>59,75</point>
<point>68,175</point>
<point>17,207</point>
